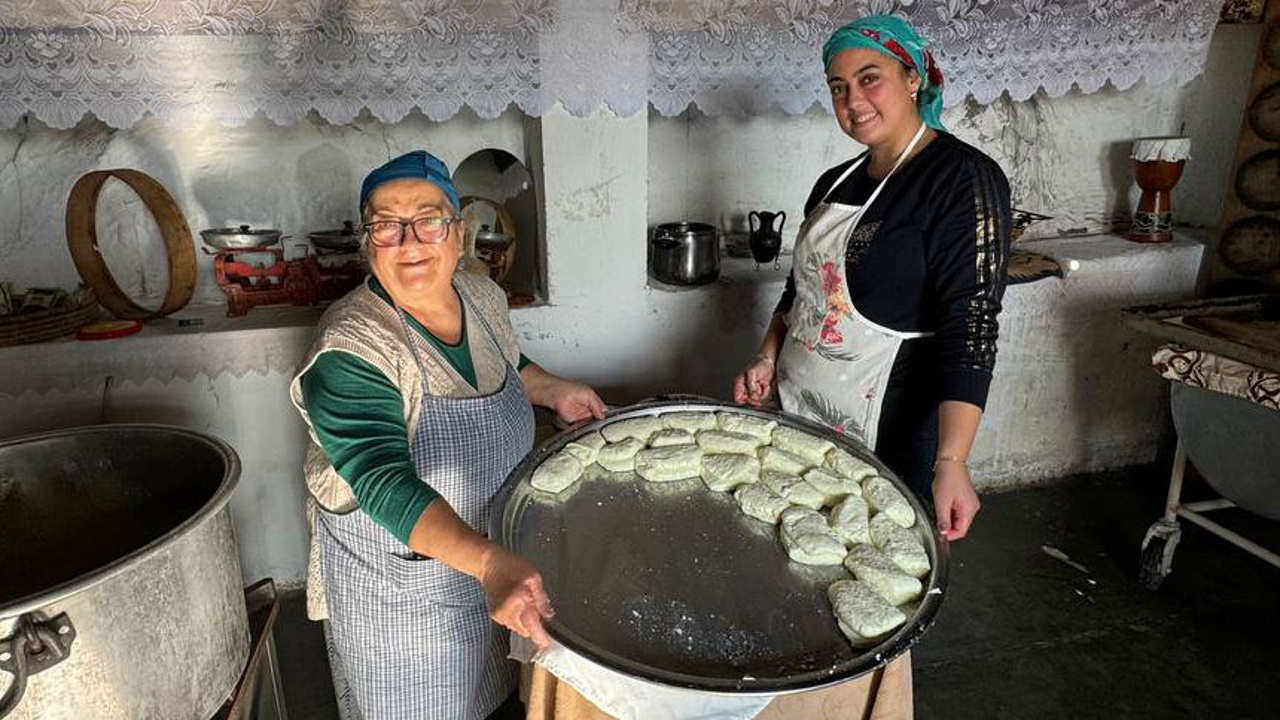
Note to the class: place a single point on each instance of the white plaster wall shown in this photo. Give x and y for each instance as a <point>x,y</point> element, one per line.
<point>1067,157</point>
<point>1073,389</point>
<point>251,412</point>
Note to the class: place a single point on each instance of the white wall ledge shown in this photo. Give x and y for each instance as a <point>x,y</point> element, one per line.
<point>736,271</point>
<point>274,339</point>
<point>1089,253</point>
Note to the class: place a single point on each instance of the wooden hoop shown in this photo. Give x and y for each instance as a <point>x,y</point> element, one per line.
<point>82,241</point>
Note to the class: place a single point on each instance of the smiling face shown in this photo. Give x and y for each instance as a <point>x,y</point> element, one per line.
<point>871,96</point>
<point>415,270</point>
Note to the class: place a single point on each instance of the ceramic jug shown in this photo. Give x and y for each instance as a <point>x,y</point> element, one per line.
<point>765,241</point>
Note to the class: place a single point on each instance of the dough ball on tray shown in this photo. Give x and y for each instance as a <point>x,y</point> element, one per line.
<point>556,473</point>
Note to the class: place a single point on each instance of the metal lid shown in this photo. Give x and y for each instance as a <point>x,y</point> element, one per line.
<point>241,230</point>
<point>240,237</point>
<point>684,228</point>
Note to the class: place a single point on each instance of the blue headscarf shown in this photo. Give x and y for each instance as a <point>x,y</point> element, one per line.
<point>892,36</point>
<point>417,164</point>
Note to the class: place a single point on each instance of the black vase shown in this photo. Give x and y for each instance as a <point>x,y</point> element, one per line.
<point>765,241</point>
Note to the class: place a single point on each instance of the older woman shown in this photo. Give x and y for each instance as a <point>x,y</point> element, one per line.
<point>418,402</point>
<point>887,328</point>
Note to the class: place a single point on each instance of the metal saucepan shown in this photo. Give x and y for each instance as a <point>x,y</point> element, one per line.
<point>345,240</point>
<point>241,238</point>
<point>684,253</point>
<point>672,583</point>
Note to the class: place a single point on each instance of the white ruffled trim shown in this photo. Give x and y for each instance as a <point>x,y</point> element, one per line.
<point>231,60</point>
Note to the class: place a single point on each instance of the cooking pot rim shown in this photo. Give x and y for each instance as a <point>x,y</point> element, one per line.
<point>242,230</point>
<point>211,507</point>
<point>686,226</point>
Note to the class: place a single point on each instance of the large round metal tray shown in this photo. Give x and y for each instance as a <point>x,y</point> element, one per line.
<point>672,583</point>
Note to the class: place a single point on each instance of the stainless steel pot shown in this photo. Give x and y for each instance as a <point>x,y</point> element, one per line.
<point>345,240</point>
<point>241,238</point>
<point>685,253</point>
<point>120,587</point>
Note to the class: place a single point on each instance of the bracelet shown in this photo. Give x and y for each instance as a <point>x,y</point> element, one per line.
<point>949,458</point>
<point>766,358</point>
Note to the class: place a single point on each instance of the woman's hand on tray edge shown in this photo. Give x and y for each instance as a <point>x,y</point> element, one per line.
<point>512,585</point>
<point>517,600</point>
<point>754,385</point>
<point>571,401</point>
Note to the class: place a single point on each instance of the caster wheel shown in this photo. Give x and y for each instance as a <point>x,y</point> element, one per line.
<point>1157,552</point>
<point>1152,569</point>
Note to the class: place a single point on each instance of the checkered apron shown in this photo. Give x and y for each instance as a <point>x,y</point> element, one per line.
<point>414,635</point>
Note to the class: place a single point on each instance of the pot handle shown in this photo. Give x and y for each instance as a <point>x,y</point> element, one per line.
<point>753,218</point>
<point>17,688</point>
<point>35,645</point>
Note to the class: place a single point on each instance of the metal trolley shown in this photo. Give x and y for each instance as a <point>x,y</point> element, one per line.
<point>1225,401</point>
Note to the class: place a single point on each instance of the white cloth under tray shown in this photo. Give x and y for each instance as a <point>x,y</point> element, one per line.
<point>627,698</point>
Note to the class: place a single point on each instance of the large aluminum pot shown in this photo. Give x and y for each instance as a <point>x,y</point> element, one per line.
<point>118,575</point>
<point>684,253</point>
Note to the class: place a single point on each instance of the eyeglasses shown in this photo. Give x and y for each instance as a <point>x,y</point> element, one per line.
<point>429,229</point>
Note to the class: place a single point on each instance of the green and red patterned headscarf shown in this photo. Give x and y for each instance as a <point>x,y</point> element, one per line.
<point>892,36</point>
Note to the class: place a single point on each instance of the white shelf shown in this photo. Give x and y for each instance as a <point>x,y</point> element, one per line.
<point>736,271</point>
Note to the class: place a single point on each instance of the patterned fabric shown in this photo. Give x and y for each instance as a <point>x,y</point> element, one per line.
<point>1026,266</point>
<point>892,36</point>
<point>365,325</point>
<point>414,635</point>
<point>835,364</point>
<point>934,252</point>
<point>859,241</point>
<point>181,62</point>
<point>1203,369</point>
<point>991,214</point>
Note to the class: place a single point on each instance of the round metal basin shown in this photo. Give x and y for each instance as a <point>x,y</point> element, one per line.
<point>1234,443</point>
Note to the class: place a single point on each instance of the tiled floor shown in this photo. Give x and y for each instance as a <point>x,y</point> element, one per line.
<point>1023,634</point>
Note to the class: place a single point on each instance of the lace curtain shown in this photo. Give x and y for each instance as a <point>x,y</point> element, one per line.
<point>182,60</point>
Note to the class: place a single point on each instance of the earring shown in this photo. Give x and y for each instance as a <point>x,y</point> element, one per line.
<point>913,95</point>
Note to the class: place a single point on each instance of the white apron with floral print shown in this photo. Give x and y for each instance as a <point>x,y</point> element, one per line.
<point>835,363</point>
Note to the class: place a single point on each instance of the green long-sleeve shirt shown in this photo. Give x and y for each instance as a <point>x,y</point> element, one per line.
<point>358,416</point>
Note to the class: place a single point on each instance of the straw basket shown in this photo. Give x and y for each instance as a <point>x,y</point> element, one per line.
<point>79,309</point>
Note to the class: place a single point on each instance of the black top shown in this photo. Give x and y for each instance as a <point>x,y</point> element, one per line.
<point>928,255</point>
